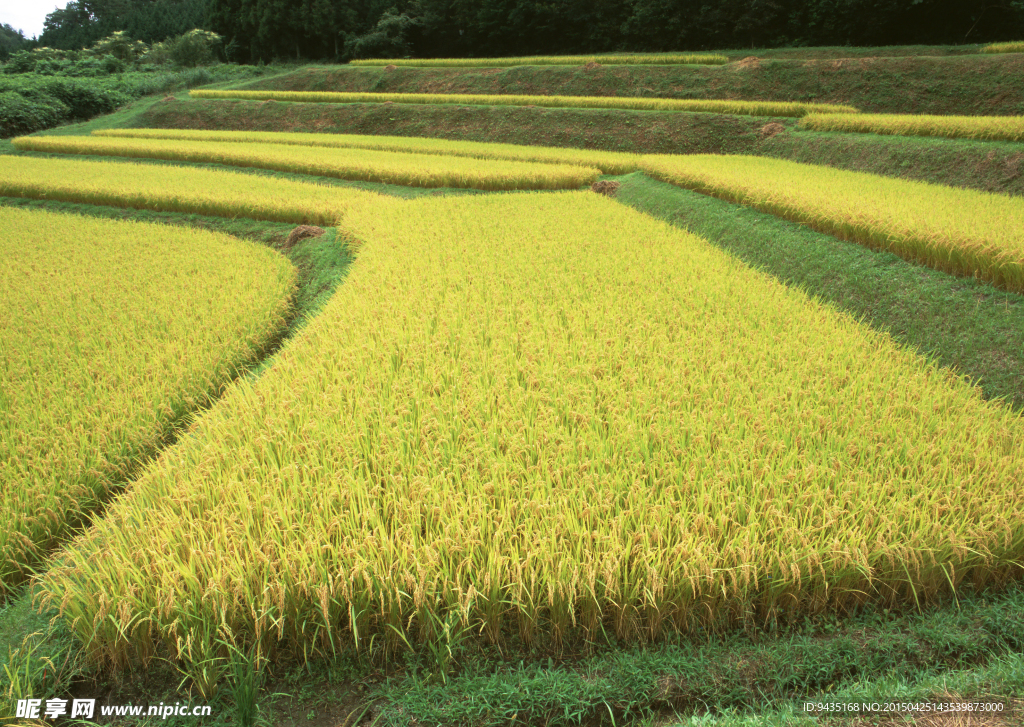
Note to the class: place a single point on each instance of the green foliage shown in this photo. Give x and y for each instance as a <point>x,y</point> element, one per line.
<point>20,115</point>
<point>82,23</point>
<point>496,28</point>
<point>119,45</point>
<point>33,101</point>
<point>195,48</point>
<point>11,40</point>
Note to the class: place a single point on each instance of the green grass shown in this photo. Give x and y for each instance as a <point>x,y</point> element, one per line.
<point>959,85</point>
<point>721,679</point>
<point>964,324</point>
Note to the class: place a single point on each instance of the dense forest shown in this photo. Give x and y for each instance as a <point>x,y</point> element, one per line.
<point>255,30</point>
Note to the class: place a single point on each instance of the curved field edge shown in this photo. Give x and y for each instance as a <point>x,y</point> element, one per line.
<point>357,164</point>
<point>165,188</point>
<point>328,600</point>
<point>139,349</point>
<point>749,108</point>
<point>607,162</point>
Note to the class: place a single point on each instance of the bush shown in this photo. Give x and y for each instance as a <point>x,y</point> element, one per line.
<point>21,115</point>
<point>23,61</point>
<point>121,47</point>
<point>195,48</point>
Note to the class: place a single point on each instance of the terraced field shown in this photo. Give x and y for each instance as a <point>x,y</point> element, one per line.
<point>113,331</point>
<point>525,422</point>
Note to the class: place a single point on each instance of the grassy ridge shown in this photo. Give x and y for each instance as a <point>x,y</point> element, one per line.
<point>748,108</point>
<point>625,59</point>
<point>996,128</point>
<point>367,165</point>
<point>989,166</point>
<point>113,331</point>
<point>942,85</point>
<point>607,162</point>
<point>962,232</point>
<point>175,189</point>
<point>512,455</point>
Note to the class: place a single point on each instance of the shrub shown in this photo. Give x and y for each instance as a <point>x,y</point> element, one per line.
<point>21,115</point>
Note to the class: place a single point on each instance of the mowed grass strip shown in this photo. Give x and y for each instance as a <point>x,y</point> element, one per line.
<point>1012,47</point>
<point>363,165</point>
<point>959,231</point>
<point>549,412</point>
<point>609,162</point>
<point>111,332</point>
<point>743,108</point>
<point>165,188</point>
<point>985,128</point>
<point>625,59</point>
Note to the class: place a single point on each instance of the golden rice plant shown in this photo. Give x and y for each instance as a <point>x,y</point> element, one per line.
<point>988,128</point>
<point>549,412</point>
<point>746,108</point>
<point>609,162</point>
<point>175,189</point>
<point>111,333</point>
<point>365,165</point>
<point>624,59</point>
<point>1013,47</point>
<point>960,231</point>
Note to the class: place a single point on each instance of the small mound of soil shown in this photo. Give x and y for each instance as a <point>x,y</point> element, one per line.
<point>390,68</point>
<point>606,186</point>
<point>770,130</point>
<point>749,62</point>
<point>301,233</point>
<point>591,66</point>
<point>168,97</point>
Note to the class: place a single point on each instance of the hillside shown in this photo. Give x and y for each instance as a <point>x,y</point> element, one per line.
<point>962,85</point>
<point>487,474</point>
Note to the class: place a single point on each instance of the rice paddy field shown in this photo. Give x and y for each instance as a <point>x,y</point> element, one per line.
<point>112,332</point>
<point>391,167</point>
<point>988,128</point>
<point>745,108</point>
<point>518,434</point>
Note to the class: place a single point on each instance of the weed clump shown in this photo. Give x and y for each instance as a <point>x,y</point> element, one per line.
<point>301,233</point>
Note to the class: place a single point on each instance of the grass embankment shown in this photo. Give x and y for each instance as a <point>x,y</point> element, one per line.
<point>963,232</point>
<point>139,324</point>
<point>359,164</point>
<point>622,59</point>
<point>987,128</point>
<point>588,403</point>
<point>165,188</point>
<point>742,108</point>
<point>951,85</point>
<point>989,166</point>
